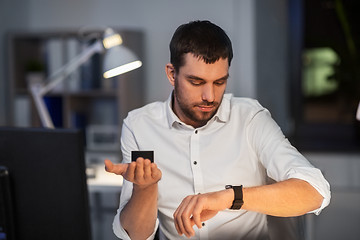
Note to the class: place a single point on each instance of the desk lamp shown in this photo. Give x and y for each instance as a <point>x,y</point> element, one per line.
<point>117,60</point>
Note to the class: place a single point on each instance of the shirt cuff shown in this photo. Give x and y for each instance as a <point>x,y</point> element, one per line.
<point>315,178</point>
<point>120,232</point>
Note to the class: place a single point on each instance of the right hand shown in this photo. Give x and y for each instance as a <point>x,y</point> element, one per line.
<point>195,209</point>
<point>142,173</point>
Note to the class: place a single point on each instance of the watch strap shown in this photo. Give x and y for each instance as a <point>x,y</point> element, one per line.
<point>238,196</point>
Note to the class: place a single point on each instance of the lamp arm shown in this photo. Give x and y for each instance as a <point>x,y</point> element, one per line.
<point>71,66</point>
<point>38,90</point>
<point>44,115</point>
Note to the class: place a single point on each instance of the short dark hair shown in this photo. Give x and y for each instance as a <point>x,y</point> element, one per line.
<point>204,39</point>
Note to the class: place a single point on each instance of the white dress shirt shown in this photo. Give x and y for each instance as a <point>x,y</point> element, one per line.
<point>240,145</point>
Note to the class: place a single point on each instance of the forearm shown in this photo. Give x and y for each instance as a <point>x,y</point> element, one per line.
<point>291,197</point>
<point>139,215</point>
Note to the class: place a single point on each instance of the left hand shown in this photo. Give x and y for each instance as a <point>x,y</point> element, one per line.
<point>141,173</point>
<point>195,209</point>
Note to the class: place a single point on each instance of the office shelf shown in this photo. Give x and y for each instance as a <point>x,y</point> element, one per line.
<point>84,99</point>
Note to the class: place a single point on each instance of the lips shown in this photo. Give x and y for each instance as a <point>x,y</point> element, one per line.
<point>206,108</point>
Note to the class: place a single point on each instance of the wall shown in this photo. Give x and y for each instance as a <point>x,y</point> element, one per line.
<point>272,59</point>
<point>13,15</point>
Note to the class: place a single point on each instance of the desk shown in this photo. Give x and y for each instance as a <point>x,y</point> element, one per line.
<point>103,181</point>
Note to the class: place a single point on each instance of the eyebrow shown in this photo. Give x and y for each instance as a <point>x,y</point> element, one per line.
<point>193,77</point>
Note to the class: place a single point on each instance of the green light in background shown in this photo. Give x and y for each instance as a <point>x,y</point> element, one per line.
<point>318,66</point>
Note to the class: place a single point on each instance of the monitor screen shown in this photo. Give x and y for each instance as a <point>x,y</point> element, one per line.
<point>47,182</point>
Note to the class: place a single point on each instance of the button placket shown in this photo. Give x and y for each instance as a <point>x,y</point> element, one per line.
<point>195,161</point>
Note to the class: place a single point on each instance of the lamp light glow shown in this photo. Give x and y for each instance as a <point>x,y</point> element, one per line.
<point>122,69</point>
<point>112,41</point>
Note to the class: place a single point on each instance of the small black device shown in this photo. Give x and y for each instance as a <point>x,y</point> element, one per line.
<point>144,154</point>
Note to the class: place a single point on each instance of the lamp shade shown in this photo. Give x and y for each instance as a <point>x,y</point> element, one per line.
<point>119,60</point>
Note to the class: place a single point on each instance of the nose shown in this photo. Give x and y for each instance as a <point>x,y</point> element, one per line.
<point>208,93</point>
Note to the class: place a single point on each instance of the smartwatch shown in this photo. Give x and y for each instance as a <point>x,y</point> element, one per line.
<point>238,200</point>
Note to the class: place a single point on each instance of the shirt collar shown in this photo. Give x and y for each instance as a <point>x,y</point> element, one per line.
<point>171,116</point>
<point>222,114</point>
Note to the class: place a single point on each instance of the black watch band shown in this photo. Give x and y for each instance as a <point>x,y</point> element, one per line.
<point>238,199</point>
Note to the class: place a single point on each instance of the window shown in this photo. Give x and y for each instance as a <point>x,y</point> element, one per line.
<point>325,35</point>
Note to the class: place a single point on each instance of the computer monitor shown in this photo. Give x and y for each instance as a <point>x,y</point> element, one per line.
<point>47,182</point>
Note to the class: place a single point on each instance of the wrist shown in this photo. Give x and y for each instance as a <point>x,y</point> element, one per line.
<point>145,187</point>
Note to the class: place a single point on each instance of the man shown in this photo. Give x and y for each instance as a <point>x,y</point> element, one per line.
<point>204,140</point>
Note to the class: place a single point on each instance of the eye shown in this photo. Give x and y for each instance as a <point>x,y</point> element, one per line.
<point>220,82</point>
<point>196,82</point>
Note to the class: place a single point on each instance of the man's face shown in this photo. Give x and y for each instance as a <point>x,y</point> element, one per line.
<point>198,89</point>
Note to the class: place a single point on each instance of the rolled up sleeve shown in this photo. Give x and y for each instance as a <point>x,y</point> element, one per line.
<point>282,160</point>
<point>120,232</point>
<point>316,179</point>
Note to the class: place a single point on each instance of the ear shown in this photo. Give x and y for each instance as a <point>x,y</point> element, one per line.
<point>170,73</point>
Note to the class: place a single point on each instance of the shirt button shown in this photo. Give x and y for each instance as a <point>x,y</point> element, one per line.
<point>195,162</point>
<point>196,131</point>
<point>203,224</point>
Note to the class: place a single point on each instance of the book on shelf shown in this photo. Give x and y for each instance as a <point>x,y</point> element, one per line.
<point>91,71</point>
